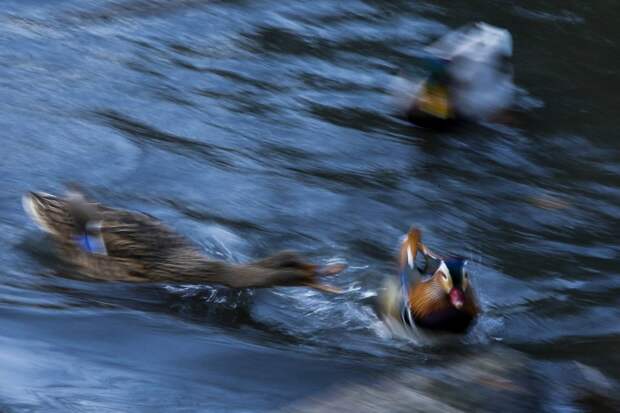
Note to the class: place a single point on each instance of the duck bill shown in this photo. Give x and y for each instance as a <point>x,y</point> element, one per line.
<point>457,298</point>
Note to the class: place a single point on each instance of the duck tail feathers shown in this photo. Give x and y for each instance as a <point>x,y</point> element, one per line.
<point>46,210</point>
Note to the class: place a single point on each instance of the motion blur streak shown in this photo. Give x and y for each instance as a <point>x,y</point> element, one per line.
<point>252,127</point>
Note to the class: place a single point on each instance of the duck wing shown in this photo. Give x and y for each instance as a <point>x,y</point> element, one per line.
<point>96,228</point>
<point>137,247</point>
<point>54,215</point>
<point>140,236</point>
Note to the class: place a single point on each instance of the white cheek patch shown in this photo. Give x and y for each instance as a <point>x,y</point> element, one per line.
<point>443,268</point>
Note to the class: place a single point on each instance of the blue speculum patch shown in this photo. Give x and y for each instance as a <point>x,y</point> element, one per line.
<point>90,243</point>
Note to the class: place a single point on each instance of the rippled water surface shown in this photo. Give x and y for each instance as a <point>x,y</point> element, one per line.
<point>256,126</point>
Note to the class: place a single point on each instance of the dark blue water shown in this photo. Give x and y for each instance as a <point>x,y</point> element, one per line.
<point>252,127</point>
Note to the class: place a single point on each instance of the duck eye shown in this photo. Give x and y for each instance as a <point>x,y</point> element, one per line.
<point>466,274</point>
<point>445,276</point>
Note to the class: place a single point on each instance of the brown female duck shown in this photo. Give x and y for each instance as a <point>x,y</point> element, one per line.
<point>118,245</point>
<point>445,301</point>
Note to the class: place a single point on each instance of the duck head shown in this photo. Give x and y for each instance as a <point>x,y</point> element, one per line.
<point>454,279</point>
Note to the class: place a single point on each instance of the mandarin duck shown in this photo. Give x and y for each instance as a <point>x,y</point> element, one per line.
<point>441,298</point>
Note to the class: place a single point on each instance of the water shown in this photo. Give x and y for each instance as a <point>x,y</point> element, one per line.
<point>257,126</point>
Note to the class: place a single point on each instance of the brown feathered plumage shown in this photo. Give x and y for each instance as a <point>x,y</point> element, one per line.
<point>446,301</point>
<point>431,307</point>
<point>119,245</point>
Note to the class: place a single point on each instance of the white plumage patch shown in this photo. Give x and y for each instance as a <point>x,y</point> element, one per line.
<point>29,205</point>
<point>410,257</point>
<point>444,268</point>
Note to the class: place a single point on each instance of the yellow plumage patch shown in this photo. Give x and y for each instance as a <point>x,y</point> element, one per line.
<point>433,100</point>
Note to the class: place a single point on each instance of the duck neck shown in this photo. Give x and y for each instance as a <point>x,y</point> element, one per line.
<point>201,269</point>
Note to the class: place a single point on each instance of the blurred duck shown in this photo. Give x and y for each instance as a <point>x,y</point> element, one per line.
<point>119,245</point>
<point>471,77</point>
<point>444,301</point>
